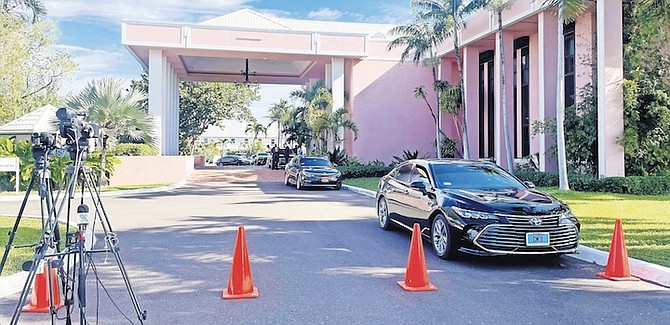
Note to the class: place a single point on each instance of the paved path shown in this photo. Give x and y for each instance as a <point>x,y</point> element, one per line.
<point>318,257</point>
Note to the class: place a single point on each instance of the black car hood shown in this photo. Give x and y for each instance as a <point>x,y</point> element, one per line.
<point>513,201</point>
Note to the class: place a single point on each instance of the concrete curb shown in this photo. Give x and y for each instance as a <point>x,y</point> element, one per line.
<point>34,196</point>
<point>640,269</point>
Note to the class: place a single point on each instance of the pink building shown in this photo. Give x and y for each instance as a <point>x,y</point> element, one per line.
<point>378,91</point>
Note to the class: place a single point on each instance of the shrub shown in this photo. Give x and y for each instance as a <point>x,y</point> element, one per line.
<point>637,185</point>
<point>134,149</point>
<point>370,170</point>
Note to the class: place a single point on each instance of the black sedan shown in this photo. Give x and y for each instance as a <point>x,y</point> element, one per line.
<point>474,207</point>
<point>233,160</point>
<point>312,172</point>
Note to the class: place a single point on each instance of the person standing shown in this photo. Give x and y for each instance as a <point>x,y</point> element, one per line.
<point>287,153</point>
<point>275,156</point>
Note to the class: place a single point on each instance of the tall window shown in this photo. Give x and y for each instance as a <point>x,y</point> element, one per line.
<point>486,105</point>
<point>569,59</point>
<point>521,98</point>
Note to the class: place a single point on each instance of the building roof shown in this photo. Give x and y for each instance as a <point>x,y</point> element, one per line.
<point>40,120</point>
<point>247,18</point>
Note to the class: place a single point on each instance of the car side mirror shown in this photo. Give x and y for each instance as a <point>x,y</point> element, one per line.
<point>421,185</point>
<point>529,184</point>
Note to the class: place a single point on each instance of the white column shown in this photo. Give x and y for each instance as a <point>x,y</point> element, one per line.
<point>328,81</point>
<point>610,88</point>
<point>175,114</point>
<point>541,89</point>
<point>156,95</point>
<point>337,81</point>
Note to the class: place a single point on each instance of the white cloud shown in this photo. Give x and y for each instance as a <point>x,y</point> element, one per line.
<point>96,64</point>
<point>191,11</point>
<point>325,14</point>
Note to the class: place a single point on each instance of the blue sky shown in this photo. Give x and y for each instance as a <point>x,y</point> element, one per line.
<point>91,30</point>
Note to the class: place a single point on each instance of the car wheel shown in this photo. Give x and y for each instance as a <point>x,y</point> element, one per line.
<point>286,182</point>
<point>298,182</point>
<point>219,164</point>
<point>443,243</point>
<point>383,214</point>
<point>338,186</point>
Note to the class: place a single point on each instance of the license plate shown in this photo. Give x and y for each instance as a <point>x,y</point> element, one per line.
<point>324,179</point>
<point>537,239</point>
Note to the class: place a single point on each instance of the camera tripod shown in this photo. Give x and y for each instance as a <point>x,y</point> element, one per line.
<point>74,261</point>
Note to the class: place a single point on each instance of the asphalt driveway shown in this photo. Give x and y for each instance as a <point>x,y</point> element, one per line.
<point>318,257</point>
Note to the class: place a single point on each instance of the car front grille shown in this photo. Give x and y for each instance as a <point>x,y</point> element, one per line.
<point>511,238</point>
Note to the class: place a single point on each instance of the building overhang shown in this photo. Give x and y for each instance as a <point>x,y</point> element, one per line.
<point>225,54</point>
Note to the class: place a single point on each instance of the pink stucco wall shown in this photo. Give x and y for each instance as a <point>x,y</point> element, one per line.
<point>389,117</point>
<point>137,170</point>
<point>585,41</point>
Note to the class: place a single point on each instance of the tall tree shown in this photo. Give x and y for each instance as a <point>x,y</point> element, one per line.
<point>255,128</point>
<point>449,13</point>
<point>116,111</point>
<point>567,11</point>
<point>420,39</point>
<point>202,104</point>
<point>497,7</point>
<point>315,101</point>
<point>29,10</point>
<point>279,113</point>
<point>31,68</point>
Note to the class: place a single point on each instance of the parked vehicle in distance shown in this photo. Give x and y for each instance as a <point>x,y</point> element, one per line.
<point>474,207</point>
<point>312,172</point>
<point>261,158</point>
<point>233,160</point>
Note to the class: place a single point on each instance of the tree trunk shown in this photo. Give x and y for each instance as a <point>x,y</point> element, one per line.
<point>560,109</point>
<point>466,144</point>
<point>101,177</point>
<point>438,120</point>
<point>508,151</point>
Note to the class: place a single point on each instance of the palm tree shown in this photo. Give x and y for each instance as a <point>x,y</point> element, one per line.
<point>116,111</point>
<point>449,13</point>
<point>421,38</point>
<point>497,7</point>
<point>36,7</point>
<point>567,11</point>
<point>339,120</point>
<point>310,115</point>
<point>255,128</point>
<point>279,114</point>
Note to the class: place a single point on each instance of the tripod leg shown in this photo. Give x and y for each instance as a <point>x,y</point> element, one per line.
<point>12,233</point>
<point>110,239</point>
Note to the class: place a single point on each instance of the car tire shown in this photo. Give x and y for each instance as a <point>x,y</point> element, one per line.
<point>383,214</point>
<point>444,244</point>
<point>298,182</point>
<point>338,186</point>
<point>219,164</point>
<point>286,182</point>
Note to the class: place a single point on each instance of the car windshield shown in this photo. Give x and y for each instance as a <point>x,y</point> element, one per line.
<point>315,162</point>
<point>473,176</point>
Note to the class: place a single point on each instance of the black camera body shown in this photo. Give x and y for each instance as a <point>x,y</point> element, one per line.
<point>41,142</point>
<point>75,130</point>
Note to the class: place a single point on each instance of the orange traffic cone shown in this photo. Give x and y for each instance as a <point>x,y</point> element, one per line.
<point>617,263</point>
<point>416,277</point>
<point>40,297</point>
<point>240,284</point>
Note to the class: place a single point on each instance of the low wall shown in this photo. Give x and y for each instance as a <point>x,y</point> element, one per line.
<point>138,170</point>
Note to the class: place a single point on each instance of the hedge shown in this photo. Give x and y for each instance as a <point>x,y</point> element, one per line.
<point>135,149</point>
<point>364,171</point>
<point>637,185</point>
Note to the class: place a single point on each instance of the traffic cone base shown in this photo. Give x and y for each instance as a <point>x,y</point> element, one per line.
<point>616,278</point>
<point>252,294</point>
<point>416,276</point>
<point>240,284</point>
<point>429,287</point>
<point>617,268</point>
<point>40,296</point>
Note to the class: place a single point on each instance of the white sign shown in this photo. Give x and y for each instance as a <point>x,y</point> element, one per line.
<point>11,164</point>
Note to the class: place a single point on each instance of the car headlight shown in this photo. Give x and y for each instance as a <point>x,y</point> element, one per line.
<point>469,214</point>
<point>567,218</point>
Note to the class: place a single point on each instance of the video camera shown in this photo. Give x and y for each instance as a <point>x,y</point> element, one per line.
<point>72,126</point>
<point>75,130</point>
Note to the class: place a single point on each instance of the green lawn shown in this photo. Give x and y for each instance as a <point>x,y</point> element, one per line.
<point>646,219</point>
<point>29,232</point>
